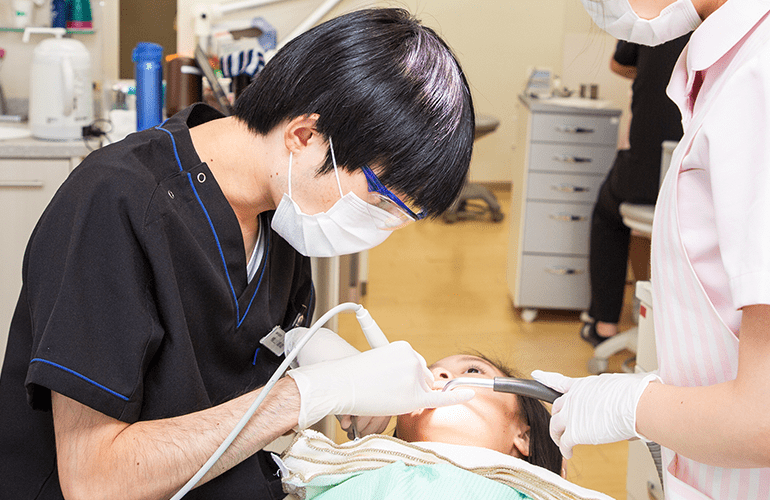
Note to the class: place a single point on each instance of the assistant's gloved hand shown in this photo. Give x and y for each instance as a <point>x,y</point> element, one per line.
<point>326,345</point>
<point>594,410</point>
<point>389,380</point>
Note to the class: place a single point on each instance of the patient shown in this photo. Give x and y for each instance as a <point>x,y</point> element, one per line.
<point>495,446</point>
<point>511,424</point>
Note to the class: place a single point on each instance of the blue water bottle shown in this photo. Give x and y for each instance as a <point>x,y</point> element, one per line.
<point>149,84</point>
<point>58,14</point>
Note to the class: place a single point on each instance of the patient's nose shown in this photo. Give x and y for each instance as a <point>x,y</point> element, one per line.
<point>440,377</point>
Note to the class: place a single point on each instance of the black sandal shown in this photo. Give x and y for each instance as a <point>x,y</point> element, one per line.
<point>588,333</point>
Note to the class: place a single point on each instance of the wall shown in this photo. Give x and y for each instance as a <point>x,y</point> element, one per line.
<point>145,21</point>
<point>497,42</point>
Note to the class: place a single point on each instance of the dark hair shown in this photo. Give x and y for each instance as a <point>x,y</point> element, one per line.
<point>543,452</point>
<point>390,94</point>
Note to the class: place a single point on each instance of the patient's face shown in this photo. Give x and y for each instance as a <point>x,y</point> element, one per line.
<point>489,420</point>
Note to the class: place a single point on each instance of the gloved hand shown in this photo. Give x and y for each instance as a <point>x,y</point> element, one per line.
<point>326,345</point>
<point>389,380</point>
<point>594,410</point>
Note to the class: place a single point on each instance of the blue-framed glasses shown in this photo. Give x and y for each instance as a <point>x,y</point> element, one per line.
<point>399,213</point>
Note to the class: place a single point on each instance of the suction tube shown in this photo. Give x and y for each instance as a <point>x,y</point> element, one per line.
<point>522,387</point>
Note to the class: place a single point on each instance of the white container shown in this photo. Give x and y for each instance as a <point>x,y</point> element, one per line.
<point>61,97</point>
<point>22,13</point>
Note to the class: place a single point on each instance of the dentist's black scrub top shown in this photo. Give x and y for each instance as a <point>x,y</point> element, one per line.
<point>136,303</point>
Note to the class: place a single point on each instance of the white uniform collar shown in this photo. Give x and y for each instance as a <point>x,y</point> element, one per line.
<point>722,30</point>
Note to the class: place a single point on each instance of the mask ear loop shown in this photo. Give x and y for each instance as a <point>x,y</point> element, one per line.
<point>290,160</point>
<point>334,162</point>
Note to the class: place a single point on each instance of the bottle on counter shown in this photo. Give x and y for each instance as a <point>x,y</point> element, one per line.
<point>149,84</point>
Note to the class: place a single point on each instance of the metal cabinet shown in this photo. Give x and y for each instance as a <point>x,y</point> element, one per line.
<point>26,187</point>
<point>568,151</point>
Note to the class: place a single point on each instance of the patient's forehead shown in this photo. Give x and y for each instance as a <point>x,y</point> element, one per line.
<point>463,361</point>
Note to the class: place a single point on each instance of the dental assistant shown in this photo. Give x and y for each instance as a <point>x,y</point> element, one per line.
<point>165,260</point>
<point>710,264</point>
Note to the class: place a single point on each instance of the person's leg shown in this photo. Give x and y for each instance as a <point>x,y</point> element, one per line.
<point>608,258</point>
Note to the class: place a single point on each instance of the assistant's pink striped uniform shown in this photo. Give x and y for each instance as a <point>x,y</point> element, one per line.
<point>706,262</point>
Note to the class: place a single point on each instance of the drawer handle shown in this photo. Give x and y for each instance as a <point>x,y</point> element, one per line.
<point>21,184</point>
<point>571,129</point>
<point>568,217</point>
<point>567,188</point>
<point>564,271</point>
<point>572,159</point>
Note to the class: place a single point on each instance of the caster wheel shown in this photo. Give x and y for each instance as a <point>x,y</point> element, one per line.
<point>497,216</point>
<point>597,365</point>
<point>528,315</point>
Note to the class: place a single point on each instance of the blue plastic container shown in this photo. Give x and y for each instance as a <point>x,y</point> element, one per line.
<point>58,14</point>
<point>149,84</point>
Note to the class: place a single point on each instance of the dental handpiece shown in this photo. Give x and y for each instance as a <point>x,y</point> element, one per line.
<point>520,386</point>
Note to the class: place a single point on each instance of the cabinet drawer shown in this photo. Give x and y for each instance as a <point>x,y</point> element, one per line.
<point>557,227</point>
<point>560,187</point>
<point>576,129</point>
<point>571,158</point>
<point>554,282</point>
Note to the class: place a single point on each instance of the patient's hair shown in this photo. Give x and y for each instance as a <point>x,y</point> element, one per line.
<point>390,94</point>
<point>543,451</point>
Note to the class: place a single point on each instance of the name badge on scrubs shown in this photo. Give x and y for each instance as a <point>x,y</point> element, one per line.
<point>274,340</point>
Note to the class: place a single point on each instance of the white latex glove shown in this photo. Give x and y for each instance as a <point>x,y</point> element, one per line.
<point>326,345</point>
<point>594,410</point>
<point>389,380</point>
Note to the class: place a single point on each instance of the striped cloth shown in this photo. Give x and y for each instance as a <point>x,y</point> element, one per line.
<point>248,62</point>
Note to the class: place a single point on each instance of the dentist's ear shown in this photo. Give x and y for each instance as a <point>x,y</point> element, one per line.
<point>299,132</point>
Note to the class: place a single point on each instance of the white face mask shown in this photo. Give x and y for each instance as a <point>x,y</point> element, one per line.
<point>618,18</point>
<point>347,227</point>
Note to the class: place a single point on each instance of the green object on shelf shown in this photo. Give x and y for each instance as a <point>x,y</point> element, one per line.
<point>79,15</point>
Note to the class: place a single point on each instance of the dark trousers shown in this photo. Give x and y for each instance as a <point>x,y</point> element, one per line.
<point>608,254</point>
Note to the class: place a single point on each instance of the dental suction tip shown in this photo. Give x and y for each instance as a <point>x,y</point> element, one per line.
<point>510,385</point>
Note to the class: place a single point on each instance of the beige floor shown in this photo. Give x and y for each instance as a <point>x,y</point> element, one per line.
<point>442,287</point>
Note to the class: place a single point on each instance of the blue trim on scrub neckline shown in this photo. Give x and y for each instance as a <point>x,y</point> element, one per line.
<point>261,274</point>
<point>216,237</point>
<point>83,377</point>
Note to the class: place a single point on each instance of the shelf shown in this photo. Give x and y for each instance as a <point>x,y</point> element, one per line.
<point>69,32</point>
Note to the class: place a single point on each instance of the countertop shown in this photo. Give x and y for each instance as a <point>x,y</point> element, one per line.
<point>29,147</point>
<point>570,105</point>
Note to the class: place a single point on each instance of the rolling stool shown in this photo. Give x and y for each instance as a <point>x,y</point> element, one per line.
<point>461,209</point>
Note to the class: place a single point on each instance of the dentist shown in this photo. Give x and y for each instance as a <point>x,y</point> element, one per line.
<point>710,263</point>
<point>156,275</point>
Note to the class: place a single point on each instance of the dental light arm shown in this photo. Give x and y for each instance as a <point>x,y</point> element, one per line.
<point>205,13</point>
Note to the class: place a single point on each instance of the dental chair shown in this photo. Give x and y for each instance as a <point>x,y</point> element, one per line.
<point>462,209</point>
<point>638,217</point>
